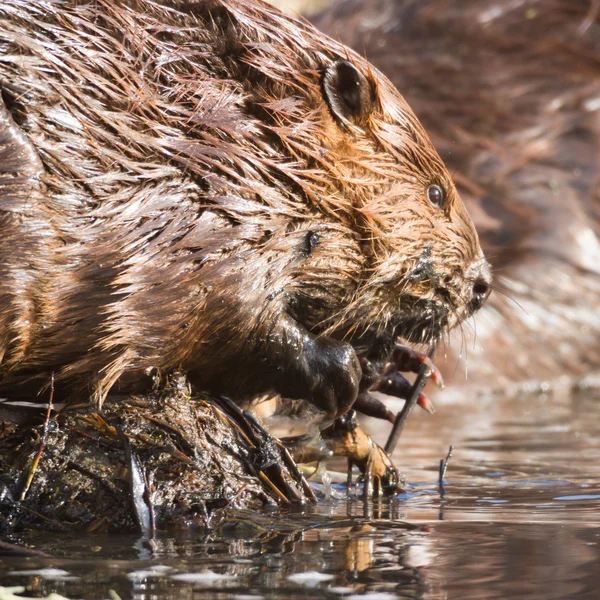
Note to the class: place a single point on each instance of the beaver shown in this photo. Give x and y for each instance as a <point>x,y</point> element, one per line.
<point>509,95</point>
<point>217,188</point>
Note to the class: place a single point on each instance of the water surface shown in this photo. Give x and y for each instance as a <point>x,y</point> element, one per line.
<point>520,519</point>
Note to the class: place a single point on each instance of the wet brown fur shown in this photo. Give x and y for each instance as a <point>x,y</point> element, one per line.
<point>161,166</point>
<point>510,95</point>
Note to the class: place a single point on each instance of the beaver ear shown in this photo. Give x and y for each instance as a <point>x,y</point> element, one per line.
<point>348,93</point>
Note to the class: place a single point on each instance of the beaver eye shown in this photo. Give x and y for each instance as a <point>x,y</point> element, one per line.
<point>348,92</point>
<point>436,195</point>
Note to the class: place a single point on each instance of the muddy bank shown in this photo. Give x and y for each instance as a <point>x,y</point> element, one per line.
<point>141,464</point>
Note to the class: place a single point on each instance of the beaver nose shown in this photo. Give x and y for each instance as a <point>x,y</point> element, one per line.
<point>482,287</point>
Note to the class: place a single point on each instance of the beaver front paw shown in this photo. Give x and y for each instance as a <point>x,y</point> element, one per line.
<point>333,375</point>
<point>385,377</point>
<point>318,369</point>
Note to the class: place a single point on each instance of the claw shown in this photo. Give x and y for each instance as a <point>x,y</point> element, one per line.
<point>425,403</point>
<point>408,359</point>
<point>435,373</point>
<point>373,407</point>
<point>388,381</point>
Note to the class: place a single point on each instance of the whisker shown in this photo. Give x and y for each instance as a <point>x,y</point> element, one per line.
<point>474,327</point>
<point>508,297</point>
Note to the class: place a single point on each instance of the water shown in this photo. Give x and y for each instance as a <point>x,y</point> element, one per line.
<point>520,519</point>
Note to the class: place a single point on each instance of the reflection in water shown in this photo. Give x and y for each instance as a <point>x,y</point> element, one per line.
<point>520,519</point>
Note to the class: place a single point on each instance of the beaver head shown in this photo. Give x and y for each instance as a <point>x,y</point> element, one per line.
<point>420,269</point>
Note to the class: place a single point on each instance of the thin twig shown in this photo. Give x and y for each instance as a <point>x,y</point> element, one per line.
<point>443,468</point>
<point>40,450</point>
<point>295,472</point>
<point>417,388</point>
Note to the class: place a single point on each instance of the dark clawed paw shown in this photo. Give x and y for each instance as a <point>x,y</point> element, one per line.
<point>395,384</point>
<point>387,379</point>
<point>318,369</point>
<point>336,375</point>
<point>409,360</point>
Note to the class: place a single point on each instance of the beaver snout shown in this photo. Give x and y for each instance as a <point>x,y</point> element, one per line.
<point>482,286</point>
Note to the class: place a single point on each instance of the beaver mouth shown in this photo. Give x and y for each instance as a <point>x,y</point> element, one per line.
<point>424,325</point>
